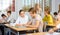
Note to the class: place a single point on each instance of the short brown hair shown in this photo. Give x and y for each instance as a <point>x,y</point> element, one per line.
<point>20,11</point>
<point>33,11</point>
<point>37,4</point>
<point>9,12</point>
<point>47,8</point>
<point>3,15</point>
<point>48,12</point>
<point>58,11</point>
<point>30,9</point>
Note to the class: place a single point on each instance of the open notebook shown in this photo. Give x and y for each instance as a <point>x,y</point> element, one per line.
<point>55,33</point>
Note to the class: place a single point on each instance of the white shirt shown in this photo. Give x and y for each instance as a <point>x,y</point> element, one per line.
<point>28,14</point>
<point>10,19</point>
<point>2,20</point>
<point>38,17</point>
<point>58,26</point>
<point>21,20</point>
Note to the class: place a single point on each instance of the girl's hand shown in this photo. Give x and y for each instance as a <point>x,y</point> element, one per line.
<point>51,31</point>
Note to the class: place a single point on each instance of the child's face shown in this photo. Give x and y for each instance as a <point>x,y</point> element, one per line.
<point>8,14</point>
<point>4,17</point>
<point>32,15</point>
<point>45,13</point>
<point>37,6</point>
<point>22,14</point>
<point>58,13</point>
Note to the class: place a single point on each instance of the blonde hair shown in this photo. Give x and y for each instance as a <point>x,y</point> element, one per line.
<point>37,5</point>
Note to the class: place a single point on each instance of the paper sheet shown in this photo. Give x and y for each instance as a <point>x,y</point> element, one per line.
<point>53,33</point>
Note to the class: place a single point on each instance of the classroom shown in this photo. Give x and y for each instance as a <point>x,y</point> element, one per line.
<point>29,17</point>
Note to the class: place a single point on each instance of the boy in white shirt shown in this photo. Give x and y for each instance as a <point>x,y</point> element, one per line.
<point>22,19</point>
<point>10,17</point>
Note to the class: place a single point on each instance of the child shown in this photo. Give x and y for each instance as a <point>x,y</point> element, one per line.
<point>28,14</point>
<point>10,18</point>
<point>3,19</point>
<point>36,21</point>
<point>55,28</point>
<point>55,18</point>
<point>22,19</point>
<point>48,20</point>
<point>55,15</point>
<point>38,9</point>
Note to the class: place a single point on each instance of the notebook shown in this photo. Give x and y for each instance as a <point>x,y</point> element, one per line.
<point>55,33</point>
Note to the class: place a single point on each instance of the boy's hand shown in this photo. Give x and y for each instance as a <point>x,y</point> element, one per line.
<point>18,25</point>
<point>26,25</point>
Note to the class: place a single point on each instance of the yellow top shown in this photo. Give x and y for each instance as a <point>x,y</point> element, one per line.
<point>48,19</point>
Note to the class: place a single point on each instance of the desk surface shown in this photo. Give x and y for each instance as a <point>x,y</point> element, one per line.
<point>42,33</point>
<point>19,29</point>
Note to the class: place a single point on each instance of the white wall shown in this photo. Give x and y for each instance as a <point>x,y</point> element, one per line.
<point>55,4</point>
<point>19,5</point>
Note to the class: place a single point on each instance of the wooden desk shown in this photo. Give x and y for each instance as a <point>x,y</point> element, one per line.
<point>19,29</point>
<point>42,33</point>
<point>52,25</point>
<point>3,23</point>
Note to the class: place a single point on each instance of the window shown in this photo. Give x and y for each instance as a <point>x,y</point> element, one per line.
<point>47,3</point>
<point>0,4</point>
<point>30,3</point>
<point>4,4</point>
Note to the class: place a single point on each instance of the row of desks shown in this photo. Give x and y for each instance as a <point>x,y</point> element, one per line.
<point>17,30</point>
<point>25,29</point>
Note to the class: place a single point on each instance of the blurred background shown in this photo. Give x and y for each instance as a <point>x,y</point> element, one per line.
<point>16,5</point>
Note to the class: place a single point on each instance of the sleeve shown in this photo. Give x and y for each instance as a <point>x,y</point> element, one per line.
<point>58,26</point>
<point>39,19</point>
<point>44,19</point>
<point>27,19</point>
<point>50,19</point>
<point>17,21</point>
<point>8,19</point>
